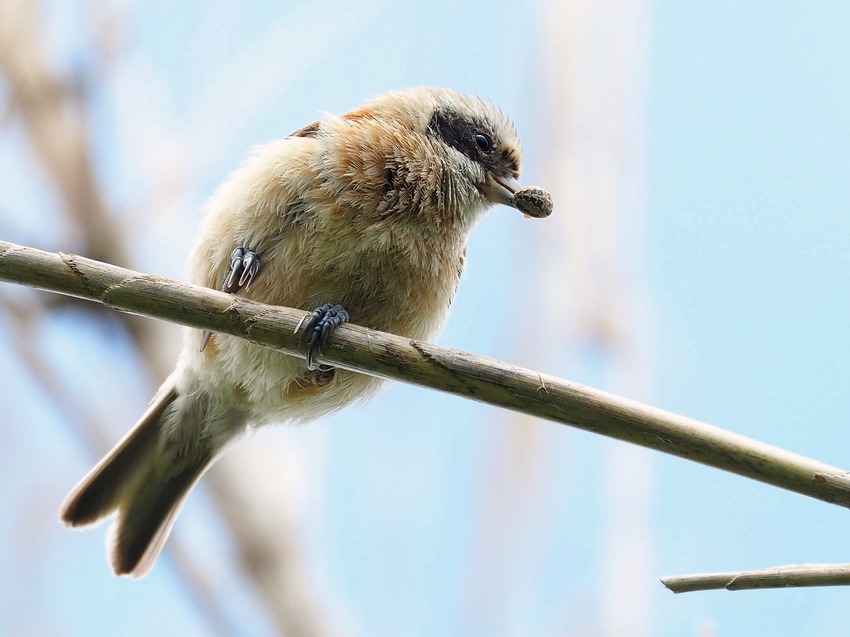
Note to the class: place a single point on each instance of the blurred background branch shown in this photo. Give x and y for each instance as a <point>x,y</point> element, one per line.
<point>51,105</point>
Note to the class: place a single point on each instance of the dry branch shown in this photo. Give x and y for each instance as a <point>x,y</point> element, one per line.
<point>793,576</point>
<point>453,371</point>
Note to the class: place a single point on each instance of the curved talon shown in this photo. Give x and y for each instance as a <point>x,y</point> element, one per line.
<point>233,271</point>
<point>321,324</point>
<point>251,265</point>
<point>244,267</point>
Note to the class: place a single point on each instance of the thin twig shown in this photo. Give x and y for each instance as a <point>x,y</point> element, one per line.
<point>427,365</point>
<point>793,576</point>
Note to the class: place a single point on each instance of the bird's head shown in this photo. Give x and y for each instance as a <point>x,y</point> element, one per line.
<point>432,150</point>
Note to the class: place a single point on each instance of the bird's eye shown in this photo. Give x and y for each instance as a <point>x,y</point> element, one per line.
<point>483,142</point>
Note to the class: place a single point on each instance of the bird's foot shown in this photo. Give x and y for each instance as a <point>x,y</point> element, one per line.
<point>321,324</point>
<point>244,267</point>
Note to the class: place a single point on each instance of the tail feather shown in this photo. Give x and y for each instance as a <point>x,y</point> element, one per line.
<point>143,486</point>
<point>101,491</point>
<point>145,519</point>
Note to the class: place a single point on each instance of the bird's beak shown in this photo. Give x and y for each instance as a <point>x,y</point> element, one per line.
<point>532,202</point>
<point>501,190</point>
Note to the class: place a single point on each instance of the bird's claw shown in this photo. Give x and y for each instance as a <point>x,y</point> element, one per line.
<point>244,267</point>
<point>321,324</point>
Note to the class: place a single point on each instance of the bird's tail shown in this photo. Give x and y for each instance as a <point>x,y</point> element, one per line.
<point>146,485</point>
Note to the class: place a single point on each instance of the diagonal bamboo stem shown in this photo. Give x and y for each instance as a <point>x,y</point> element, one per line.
<point>453,371</point>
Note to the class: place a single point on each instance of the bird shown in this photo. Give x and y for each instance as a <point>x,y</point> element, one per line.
<point>362,216</point>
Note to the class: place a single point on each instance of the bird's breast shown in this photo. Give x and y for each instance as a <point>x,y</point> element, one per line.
<point>389,277</point>
<point>392,281</point>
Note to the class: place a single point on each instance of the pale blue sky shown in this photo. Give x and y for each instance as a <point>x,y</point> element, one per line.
<point>749,164</point>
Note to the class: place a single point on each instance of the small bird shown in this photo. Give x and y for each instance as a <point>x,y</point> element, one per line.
<point>362,216</point>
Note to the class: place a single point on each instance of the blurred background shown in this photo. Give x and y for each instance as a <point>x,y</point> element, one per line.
<point>697,259</point>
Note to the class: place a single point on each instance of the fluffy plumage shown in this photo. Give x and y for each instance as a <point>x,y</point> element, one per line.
<point>369,210</point>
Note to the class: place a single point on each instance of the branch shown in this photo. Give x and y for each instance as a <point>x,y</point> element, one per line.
<point>386,355</point>
<point>777,577</point>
